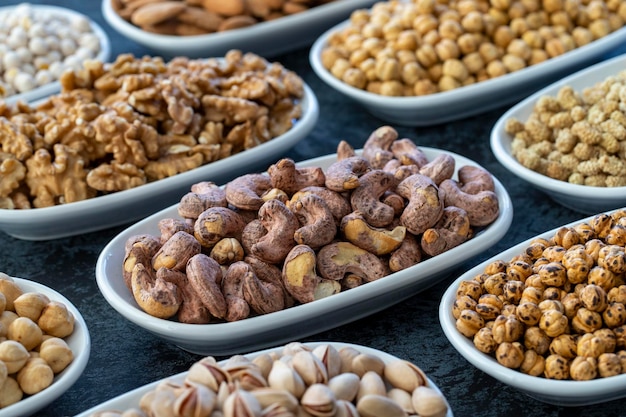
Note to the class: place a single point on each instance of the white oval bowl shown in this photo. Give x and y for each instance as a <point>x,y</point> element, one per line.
<point>301,320</point>
<point>55,86</point>
<point>562,393</point>
<point>126,206</point>
<point>469,100</point>
<point>80,343</point>
<point>131,399</point>
<point>581,198</point>
<point>266,38</point>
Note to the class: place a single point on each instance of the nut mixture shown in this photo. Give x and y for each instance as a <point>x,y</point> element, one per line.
<point>36,47</point>
<point>419,47</point>
<point>199,17</point>
<point>557,310</point>
<point>120,125</point>
<point>295,380</point>
<point>578,137</point>
<point>33,349</point>
<point>266,242</point>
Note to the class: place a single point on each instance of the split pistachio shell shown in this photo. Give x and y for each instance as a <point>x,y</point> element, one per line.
<point>371,384</point>
<point>379,405</point>
<point>268,396</point>
<point>364,362</point>
<point>429,403</point>
<point>330,358</point>
<point>194,401</point>
<point>345,386</point>
<point>403,398</point>
<point>208,373</point>
<point>404,375</point>
<point>241,403</point>
<point>319,401</point>
<point>310,368</point>
<point>346,409</point>
<point>283,377</point>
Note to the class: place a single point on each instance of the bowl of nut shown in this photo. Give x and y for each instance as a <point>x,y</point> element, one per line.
<point>159,127</point>
<point>412,65</point>
<point>37,318</point>
<point>217,273</point>
<point>340,368</point>
<point>212,27</point>
<point>547,315</point>
<point>565,139</point>
<point>39,43</point>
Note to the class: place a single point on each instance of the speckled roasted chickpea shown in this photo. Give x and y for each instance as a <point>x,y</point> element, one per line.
<point>553,274</point>
<point>533,363</point>
<point>537,340</point>
<point>566,237</point>
<point>553,322</point>
<point>469,322</point>
<point>603,278</point>
<point>564,345</point>
<point>593,246</point>
<point>553,293</point>
<point>617,294</point>
<point>495,267</point>
<point>613,258</point>
<point>614,315</point>
<point>519,270</point>
<point>509,310</point>
<point>608,338</point>
<point>550,304</point>
<point>507,329</point>
<point>583,368</point>
<point>464,302</point>
<point>528,313</point>
<point>554,253</point>
<point>557,367</point>
<point>609,364</point>
<point>25,331</point>
<point>531,295</point>
<point>577,269</point>
<point>571,303</point>
<point>494,284</point>
<point>586,321</point>
<point>484,341</point>
<point>510,354</point>
<point>470,288</point>
<point>620,336</point>
<point>489,306</point>
<point>512,291</point>
<point>594,298</point>
<point>589,345</point>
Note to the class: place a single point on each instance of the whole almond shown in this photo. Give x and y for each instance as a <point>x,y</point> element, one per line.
<point>237,22</point>
<point>201,18</point>
<point>153,13</point>
<point>225,8</point>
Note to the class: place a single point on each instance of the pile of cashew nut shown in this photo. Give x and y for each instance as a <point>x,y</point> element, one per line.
<point>266,242</point>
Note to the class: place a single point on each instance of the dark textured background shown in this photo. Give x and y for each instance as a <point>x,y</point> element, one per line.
<point>124,356</point>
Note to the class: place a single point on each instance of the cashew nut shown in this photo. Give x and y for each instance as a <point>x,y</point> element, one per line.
<point>408,254</point>
<point>378,241</point>
<point>205,276</point>
<point>474,179</point>
<point>376,148</point>
<point>217,223</point>
<point>440,168</point>
<point>262,296</point>
<point>425,206</point>
<point>139,249</point>
<point>168,227</point>
<point>300,277</point>
<point>227,251</point>
<point>202,196</point>
<point>270,273</point>
<point>408,153</point>
<point>344,150</point>
<point>237,307</point>
<point>339,259</point>
<point>192,310</point>
<point>366,197</point>
<point>343,175</point>
<point>175,253</point>
<point>317,221</point>
<point>245,192</point>
<point>281,224</point>
<point>336,202</point>
<point>450,231</point>
<point>482,208</point>
<point>155,296</point>
<point>286,176</point>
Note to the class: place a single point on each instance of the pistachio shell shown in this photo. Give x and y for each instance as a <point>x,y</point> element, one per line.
<point>330,358</point>
<point>264,362</point>
<point>404,375</point>
<point>241,403</point>
<point>345,386</point>
<point>403,398</point>
<point>346,409</point>
<point>268,396</point>
<point>371,384</point>
<point>347,354</point>
<point>319,401</point>
<point>379,405</point>
<point>310,368</point>
<point>207,372</point>
<point>364,362</point>
<point>429,403</point>
<point>283,377</point>
<point>196,400</point>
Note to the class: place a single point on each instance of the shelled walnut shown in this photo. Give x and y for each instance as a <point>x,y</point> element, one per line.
<point>569,321</point>
<point>119,125</point>
<point>266,242</point>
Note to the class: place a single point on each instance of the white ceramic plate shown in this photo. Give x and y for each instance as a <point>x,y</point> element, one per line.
<point>299,321</point>
<point>266,39</point>
<point>126,206</point>
<point>55,87</point>
<point>469,100</point>
<point>582,198</point>
<point>562,393</point>
<point>80,343</point>
<point>131,399</point>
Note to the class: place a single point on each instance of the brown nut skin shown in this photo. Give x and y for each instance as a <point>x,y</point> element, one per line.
<point>192,309</point>
<point>205,276</point>
<point>175,253</point>
<point>475,179</point>
<point>366,197</point>
<point>409,253</point>
<point>168,227</point>
<point>245,192</point>
<point>337,259</point>
<point>450,231</point>
<point>286,176</point>
<point>344,174</point>
<point>139,249</point>
<point>318,226</point>
<point>338,204</point>
<point>281,225</point>
<point>408,153</point>
<point>237,308</point>
<point>483,208</point>
<point>300,277</point>
<point>216,223</point>
<point>270,273</point>
<point>378,241</point>
<point>344,150</point>
<point>203,195</point>
<point>439,169</point>
<point>376,148</point>
<point>425,206</point>
<point>263,297</point>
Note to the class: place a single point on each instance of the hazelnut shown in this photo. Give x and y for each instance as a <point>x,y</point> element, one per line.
<point>11,291</point>
<point>35,376</point>
<point>30,305</point>
<point>10,393</point>
<point>13,354</point>
<point>56,352</point>
<point>25,331</point>
<point>56,320</point>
